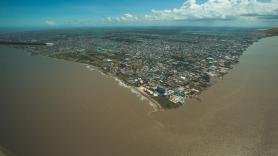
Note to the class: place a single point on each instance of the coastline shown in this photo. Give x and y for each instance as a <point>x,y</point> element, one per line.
<point>136,90</point>
<point>156,106</point>
<point>152,103</point>
<point>236,116</point>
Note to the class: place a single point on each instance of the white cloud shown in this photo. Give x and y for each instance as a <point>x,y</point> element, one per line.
<point>124,18</point>
<point>128,15</point>
<point>50,22</point>
<point>210,10</point>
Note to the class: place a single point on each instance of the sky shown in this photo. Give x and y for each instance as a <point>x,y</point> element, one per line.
<point>84,13</point>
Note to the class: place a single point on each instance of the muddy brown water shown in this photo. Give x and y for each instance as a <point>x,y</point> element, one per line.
<point>54,107</point>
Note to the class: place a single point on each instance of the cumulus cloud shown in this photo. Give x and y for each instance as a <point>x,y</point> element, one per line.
<point>50,22</point>
<point>210,10</point>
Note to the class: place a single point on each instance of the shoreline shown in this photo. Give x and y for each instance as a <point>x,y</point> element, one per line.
<point>156,106</point>
<point>143,93</point>
<point>136,90</point>
<point>236,116</point>
<point>151,102</point>
<point>241,109</point>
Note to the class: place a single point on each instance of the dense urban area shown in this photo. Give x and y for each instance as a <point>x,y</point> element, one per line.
<point>166,65</point>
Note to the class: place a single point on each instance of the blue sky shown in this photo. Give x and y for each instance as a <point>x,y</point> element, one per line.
<point>71,13</point>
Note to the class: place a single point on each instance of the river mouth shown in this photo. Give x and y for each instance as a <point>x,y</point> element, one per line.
<point>55,107</point>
